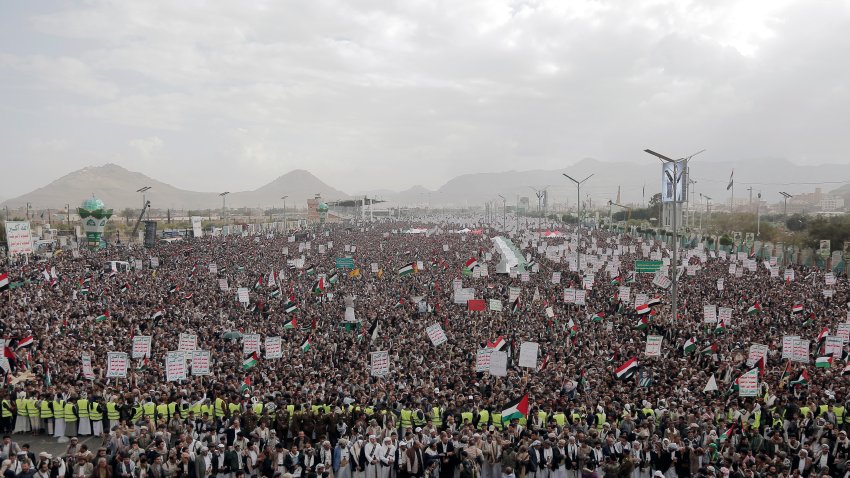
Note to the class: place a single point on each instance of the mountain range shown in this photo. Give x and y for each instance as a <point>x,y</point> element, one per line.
<point>636,182</point>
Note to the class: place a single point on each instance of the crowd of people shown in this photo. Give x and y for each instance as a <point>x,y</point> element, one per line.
<point>318,412</point>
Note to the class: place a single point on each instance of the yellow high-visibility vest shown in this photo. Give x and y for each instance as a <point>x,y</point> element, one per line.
<point>96,414</point>
<point>46,410</point>
<point>83,408</point>
<point>70,416</point>
<point>59,409</point>
<point>112,411</point>
<point>21,403</point>
<point>7,408</point>
<point>437,417</point>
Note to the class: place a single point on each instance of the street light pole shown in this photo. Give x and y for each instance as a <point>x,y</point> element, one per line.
<point>675,179</point>
<point>223,195</point>
<point>785,196</point>
<point>284,211</point>
<point>578,214</point>
<point>504,212</point>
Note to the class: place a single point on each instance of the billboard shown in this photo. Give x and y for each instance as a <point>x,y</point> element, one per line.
<point>673,182</point>
<point>18,237</point>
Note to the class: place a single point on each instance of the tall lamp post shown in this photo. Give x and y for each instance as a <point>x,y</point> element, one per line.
<point>504,212</point>
<point>676,177</point>
<point>785,196</point>
<point>143,190</point>
<point>284,211</point>
<point>578,214</point>
<point>223,195</point>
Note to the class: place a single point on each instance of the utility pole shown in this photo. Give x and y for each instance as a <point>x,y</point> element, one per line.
<point>223,195</point>
<point>284,211</point>
<point>750,189</point>
<point>504,213</point>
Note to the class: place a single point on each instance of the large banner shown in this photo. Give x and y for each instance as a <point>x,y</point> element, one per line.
<point>201,362</point>
<point>18,237</point>
<point>380,362</point>
<point>116,365</point>
<point>273,348</point>
<point>141,346</point>
<point>175,366</point>
<point>197,231</point>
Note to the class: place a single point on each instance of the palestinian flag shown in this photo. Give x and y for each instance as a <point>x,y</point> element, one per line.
<point>258,283</point>
<point>642,323</point>
<point>642,309</point>
<point>143,364</point>
<point>597,317</point>
<point>786,375</point>
<point>400,302</point>
<point>754,309</point>
<point>824,333</point>
<point>290,307</point>
<point>55,283</point>
<point>292,324</point>
<point>496,344</point>
<point>4,281</point>
<point>334,278</point>
<point>250,362</point>
<point>628,369</point>
<point>310,270</point>
<point>796,308</point>
<point>515,306</point>
<point>246,385</point>
<point>689,346</point>
<point>25,342</point>
<point>720,327</point>
<point>409,268</point>
<point>803,379</point>
<point>617,280</point>
<point>573,328</point>
<point>319,286</point>
<point>102,317</point>
<point>728,433</point>
<point>306,345</point>
<point>824,362</point>
<point>711,349</point>
<point>173,289</point>
<point>516,410</point>
<point>125,287</point>
<point>86,281</point>
<point>84,291</point>
<point>274,293</point>
<point>469,266</point>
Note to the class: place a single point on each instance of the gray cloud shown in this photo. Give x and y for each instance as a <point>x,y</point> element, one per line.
<point>389,94</point>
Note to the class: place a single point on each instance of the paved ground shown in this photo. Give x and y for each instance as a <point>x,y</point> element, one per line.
<point>42,443</point>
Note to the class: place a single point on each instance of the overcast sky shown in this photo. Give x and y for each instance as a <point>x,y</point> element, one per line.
<point>387,94</point>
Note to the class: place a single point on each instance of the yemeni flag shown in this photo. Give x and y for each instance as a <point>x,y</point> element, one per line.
<point>515,306</point>
<point>469,266</point>
<point>290,307</point>
<point>496,344</point>
<point>292,324</point>
<point>319,286</point>
<point>334,278</point>
<point>824,362</point>
<point>157,315</point>
<point>628,369</point>
<point>689,346</point>
<point>516,410</point>
<point>654,301</point>
<point>711,349</point>
<point>102,317</point>
<point>803,379</point>
<point>4,281</point>
<point>754,309</point>
<point>246,385</point>
<point>642,309</point>
<point>796,308</point>
<point>824,333</point>
<point>306,345</point>
<point>25,342</point>
<point>408,268</point>
<point>642,323</point>
<point>250,362</point>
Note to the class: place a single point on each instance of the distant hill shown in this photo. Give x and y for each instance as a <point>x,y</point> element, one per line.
<point>117,187</point>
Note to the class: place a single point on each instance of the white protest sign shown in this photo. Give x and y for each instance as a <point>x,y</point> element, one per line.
<point>250,344</point>
<point>436,334</point>
<point>801,351</point>
<point>88,371</point>
<point>201,362</point>
<point>498,363</point>
<point>581,296</point>
<point>380,363</point>
<point>843,332</point>
<point>757,351</point>
<point>242,293</point>
<point>495,305</point>
<point>141,346</point>
<point>834,346</point>
<point>175,366</point>
<point>482,360</point>
<point>213,268</point>
<point>19,237</point>
<point>528,354</point>
<point>556,277</point>
<point>748,384</point>
<point>222,285</point>
<point>273,348</point>
<point>116,364</point>
<point>789,275</point>
<point>641,299</point>
<point>187,343</point>
<point>709,314</point>
<point>625,293</point>
<point>653,345</point>
<point>661,280</point>
<point>720,284</point>
<point>569,296</point>
<point>788,345</point>
<point>829,278</point>
<point>724,314</point>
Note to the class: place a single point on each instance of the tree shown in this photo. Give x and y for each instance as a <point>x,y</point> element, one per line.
<point>797,222</point>
<point>655,200</point>
<point>127,213</point>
